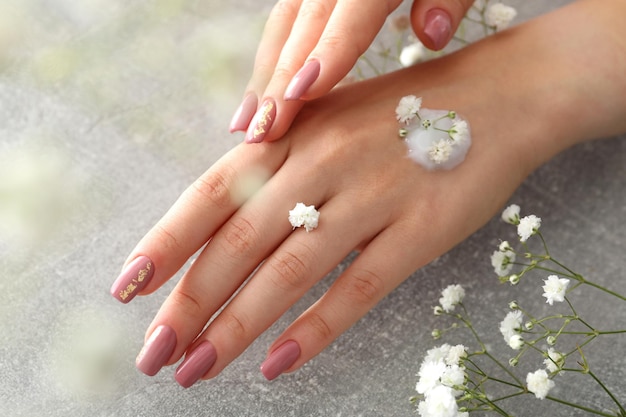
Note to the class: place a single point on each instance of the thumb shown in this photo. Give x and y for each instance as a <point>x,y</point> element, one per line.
<point>436,21</point>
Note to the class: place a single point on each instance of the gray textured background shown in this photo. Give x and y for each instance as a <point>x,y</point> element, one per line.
<point>108,110</point>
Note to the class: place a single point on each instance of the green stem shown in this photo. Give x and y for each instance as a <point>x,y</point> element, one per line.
<point>580,407</point>
<point>621,408</point>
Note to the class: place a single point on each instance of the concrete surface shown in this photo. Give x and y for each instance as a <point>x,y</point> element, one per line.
<point>108,110</point>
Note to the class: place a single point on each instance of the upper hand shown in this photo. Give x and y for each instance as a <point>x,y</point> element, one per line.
<point>308,46</point>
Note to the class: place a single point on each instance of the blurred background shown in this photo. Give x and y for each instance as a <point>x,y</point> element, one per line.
<point>108,110</point>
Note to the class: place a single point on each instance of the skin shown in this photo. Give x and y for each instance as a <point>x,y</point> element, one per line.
<point>342,154</point>
<point>335,33</point>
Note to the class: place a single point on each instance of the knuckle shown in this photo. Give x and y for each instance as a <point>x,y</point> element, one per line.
<point>213,188</point>
<point>315,10</point>
<point>188,302</point>
<point>239,237</point>
<point>291,271</point>
<point>320,328</point>
<point>234,324</point>
<point>364,287</point>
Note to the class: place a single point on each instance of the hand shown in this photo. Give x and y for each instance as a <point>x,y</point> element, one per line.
<point>308,46</point>
<point>343,155</point>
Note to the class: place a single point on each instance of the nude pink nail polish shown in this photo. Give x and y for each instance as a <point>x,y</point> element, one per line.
<point>438,27</point>
<point>303,80</point>
<point>261,122</point>
<point>196,364</point>
<point>244,113</point>
<point>280,359</point>
<point>157,350</point>
<point>133,279</point>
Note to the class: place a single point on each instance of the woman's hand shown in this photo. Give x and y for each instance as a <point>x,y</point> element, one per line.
<point>343,155</point>
<point>308,46</point>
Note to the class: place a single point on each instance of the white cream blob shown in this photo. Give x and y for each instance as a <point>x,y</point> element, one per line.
<point>437,141</point>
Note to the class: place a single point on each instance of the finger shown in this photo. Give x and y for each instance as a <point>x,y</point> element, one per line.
<point>275,34</point>
<point>193,219</point>
<point>286,275</point>
<point>313,62</point>
<point>436,21</point>
<point>239,246</point>
<point>379,269</point>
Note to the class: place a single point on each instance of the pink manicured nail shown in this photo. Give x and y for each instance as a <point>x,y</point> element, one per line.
<point>133,279</point>
<point>261,122</point>
<point>280,360</point>
<point>196,364</point>
<point>303,80</point>
<point>157,350</point>
<point>438,27</point>
<point>244,113</point>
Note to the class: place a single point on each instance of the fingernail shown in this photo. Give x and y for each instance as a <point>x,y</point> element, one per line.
<point>133,279</point>
<point>157,350</point>
<point>261,122</point>
<point>196,364</point>
<point>244,113</point>
<point>303,80</point>
<point>438,28</point>
<point>280,360</point>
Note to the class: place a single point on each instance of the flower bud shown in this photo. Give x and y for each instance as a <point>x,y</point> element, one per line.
<point>514,279</point>
<point>436,334</point>
<point>426,123</point>
<point>513,361</point>
<point>529,325</point>
<point>451,114</point>
<point>513,305</point>
<point>551,340</point>
<point>438,311</point>
<point>403,132</point>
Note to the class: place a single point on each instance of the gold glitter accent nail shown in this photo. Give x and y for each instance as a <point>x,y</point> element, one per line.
<point>264,120</point>
<point>132,286</point>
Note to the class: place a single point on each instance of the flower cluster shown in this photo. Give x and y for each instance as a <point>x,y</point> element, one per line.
<point>455,384</point>
<point>303,215</point>
<point>441,381</point>
<point>436,138</point>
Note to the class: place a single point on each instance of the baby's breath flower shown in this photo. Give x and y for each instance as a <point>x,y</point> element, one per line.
<point>408,108</point>
<point>551,340</point>
<point>455,355</point>
<point>412,54</point>
<point>554,289</point>
<point>513,305</point>
<point>528,226</point>
<point>438,311</point>
<point>539,384</point>
<point>502,262</point>
<point>554,361</point>
<point>511,325</point>
<point>458,131</point>
<point>440,402</point>
<point>529,325</point>
<point>511,214</point>
<point>451,296</point>
<point>514,279</point>
<point>505,246</point>
<point>516,342</point>
<point>440,151</point>
<point>499,15</point>
<point>303,215</point>
<point>429,376</point>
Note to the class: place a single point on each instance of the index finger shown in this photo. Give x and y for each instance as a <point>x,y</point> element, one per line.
<point>195,217</point>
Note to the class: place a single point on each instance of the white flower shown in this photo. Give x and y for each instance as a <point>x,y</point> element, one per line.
<point>539,384</point>
<point>511,325</point>
<point>453,376</point>
<point>438,354</point>
<point>528,226</point>
<point>407,108</point>
<point>303,215</point>
<point>430,376</point>
<point>451,296</point>
<point>554,289</point>
<point>440,402</point>
<point>412,54</point>
<point>554,361</point>
<point>516,342</point>
<point>455,354</point>
<point>440,151</point>
<point>458,131</point>
<point>502,262</point>
<point>500,15</point>
<point>511,214</point>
